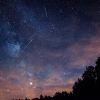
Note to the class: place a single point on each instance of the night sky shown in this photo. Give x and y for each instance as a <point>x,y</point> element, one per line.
<point>45,45</point>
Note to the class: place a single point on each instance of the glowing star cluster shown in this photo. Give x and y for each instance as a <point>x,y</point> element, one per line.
<point>13,49</point>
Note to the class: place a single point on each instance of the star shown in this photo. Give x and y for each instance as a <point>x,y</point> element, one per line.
<point>31,83</point>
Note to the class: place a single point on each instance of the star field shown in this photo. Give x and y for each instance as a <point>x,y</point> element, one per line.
<point>45,45</point>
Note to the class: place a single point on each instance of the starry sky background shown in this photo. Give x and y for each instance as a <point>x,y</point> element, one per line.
<point>45,45</point>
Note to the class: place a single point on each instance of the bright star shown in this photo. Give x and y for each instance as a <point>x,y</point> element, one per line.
<point>31,83</point>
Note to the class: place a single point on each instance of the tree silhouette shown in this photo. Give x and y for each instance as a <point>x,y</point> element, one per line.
<point>97,70</point>
<point>88,86</point>
<point>27,99</point>
<point>85,86</point>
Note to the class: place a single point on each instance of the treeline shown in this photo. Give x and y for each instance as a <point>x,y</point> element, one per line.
<point>85,88</point>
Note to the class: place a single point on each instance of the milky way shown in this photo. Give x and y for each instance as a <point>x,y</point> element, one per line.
<point>45,45</point>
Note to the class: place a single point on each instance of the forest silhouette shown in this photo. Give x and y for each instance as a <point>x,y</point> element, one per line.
<point>85,88</point>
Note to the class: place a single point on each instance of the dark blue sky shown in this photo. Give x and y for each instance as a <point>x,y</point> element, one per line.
<point>45,45</point>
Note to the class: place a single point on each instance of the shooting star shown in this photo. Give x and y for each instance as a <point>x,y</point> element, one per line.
<point>29,42</point>
<point>26,46</point>
<point>46,11</point>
